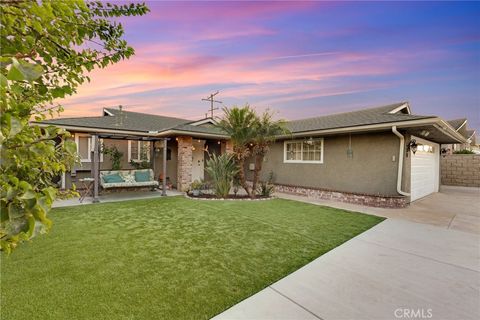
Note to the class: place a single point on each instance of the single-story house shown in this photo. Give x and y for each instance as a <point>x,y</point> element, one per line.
<point>461,126</point>
<point>384,156</point>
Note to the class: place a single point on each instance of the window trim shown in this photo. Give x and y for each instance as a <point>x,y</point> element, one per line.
<point>89,146</point>
<point>285,160</point>
<point>138,152</point>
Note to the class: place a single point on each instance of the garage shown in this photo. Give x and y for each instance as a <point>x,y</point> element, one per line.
<point>424,169</point>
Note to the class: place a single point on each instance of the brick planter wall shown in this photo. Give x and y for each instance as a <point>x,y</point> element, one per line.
<point>460,170</point>
<point>184,163</point>
<point>355,198</point>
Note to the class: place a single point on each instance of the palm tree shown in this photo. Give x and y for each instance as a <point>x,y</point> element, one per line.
<point>239,124</point>
<point>266,129</point>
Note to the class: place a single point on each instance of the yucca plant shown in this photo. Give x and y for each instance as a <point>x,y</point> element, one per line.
<point>222,170</point>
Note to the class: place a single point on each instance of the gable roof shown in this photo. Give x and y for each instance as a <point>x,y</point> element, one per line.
<point>114,119</point>
<point>457,123</point>
<point>470,133</point>
<point>142,124</point>
<point>369,116</point>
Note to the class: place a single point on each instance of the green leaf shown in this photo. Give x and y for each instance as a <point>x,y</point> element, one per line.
<point>50,192</point>
<point>70,147</point>
<point>31,226</point>
<point>3,80</point>
<point>15,211</point>
<point>28,195</point>
<point>15,74</point>
<point>15,126</point>
<point>23,70</point>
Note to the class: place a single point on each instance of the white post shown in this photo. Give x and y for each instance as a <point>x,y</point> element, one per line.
<point>164,169</point>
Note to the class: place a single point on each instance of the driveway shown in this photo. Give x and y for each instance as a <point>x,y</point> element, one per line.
<point>455,208</point>
<point>399,269</point>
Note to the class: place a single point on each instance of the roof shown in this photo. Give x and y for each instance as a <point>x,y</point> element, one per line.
<point>470,133</point>
<point>457,123</point>
<point>124,122</point>
<point>115,119</point>
<point>378,115</point>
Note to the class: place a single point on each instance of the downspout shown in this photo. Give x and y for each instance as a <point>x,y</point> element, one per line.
<point>400,162</point>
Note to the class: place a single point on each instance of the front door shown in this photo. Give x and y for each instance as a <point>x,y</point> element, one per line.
<point>198,159</point>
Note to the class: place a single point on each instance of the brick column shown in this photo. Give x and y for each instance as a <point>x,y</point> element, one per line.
<point>227,147</point>
<point>184,163</point>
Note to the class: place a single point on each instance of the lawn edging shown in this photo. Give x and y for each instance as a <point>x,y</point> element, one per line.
<point>230,199</point>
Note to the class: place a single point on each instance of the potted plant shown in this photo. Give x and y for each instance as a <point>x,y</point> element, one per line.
<point>196,186</point>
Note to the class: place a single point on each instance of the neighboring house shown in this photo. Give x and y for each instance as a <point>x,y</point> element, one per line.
<point>461,126</point>
<point>362,156</point>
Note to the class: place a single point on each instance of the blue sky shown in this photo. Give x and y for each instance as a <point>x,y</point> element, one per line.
<point>301,59</point>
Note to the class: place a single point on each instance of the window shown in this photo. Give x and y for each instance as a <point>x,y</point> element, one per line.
<point>303,151</point>
<point>138,151</point>
<point>425,148</point>
<point>84,144</point>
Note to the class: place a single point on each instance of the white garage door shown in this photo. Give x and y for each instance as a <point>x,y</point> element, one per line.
<point>425,169</point>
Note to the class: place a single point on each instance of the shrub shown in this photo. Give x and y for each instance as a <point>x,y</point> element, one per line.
<point>115,156</point>
<point>196,185</point>
<point>222,169</point>
<point>464,151</point>
<point>266,188</point>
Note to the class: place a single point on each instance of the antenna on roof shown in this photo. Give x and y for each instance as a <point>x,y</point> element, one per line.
<point>212,101</point>
<point>121,116</point>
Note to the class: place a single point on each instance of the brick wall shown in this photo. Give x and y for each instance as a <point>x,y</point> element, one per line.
<point>460,170</point>
<point>184,163</point>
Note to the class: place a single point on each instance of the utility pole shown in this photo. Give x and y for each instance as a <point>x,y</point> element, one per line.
<point>212,101</point>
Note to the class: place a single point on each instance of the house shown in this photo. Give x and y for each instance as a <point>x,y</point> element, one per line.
<point>461,126</point>
<point>384,156</point>
<point>141,137</point>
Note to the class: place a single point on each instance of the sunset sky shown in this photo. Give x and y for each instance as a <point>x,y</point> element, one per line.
<point>301,59</point>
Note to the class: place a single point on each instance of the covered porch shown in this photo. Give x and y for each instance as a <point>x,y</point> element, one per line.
<point>176,161</point>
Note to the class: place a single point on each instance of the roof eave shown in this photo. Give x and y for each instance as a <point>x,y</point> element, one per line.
<point>439,123</point>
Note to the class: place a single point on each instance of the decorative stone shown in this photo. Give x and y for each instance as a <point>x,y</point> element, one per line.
<point>355,198</point>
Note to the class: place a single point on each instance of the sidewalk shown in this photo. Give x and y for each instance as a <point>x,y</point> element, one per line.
<point>397,265</point>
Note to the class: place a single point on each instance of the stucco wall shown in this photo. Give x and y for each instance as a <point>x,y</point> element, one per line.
<point>460,170</point>
<point>372,170</point>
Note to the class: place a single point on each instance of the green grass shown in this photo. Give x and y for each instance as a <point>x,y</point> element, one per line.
<point>166,258</point>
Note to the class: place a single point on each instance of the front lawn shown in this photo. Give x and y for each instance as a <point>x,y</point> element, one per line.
<point>166,258</point>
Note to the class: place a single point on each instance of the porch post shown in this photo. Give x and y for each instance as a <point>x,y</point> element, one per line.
<point>152,157</point>
<point>164,169</point>
<point>95,167</point>
<point>184,163</point>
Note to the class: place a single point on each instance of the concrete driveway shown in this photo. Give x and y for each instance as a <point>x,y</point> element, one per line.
<point>455,208</point>
<point>399,269</point>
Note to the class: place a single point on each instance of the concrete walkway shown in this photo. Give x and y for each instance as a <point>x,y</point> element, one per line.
<point>116,196</point>
<point>423,262</point>
<point>397,267</point>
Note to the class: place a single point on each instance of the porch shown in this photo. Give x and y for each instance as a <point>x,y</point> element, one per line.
<point>176,161</point>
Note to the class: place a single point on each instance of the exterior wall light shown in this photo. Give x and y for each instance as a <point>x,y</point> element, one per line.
<point>412,146</point>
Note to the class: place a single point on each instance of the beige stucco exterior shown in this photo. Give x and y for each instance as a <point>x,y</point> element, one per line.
<point>371,170</point>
